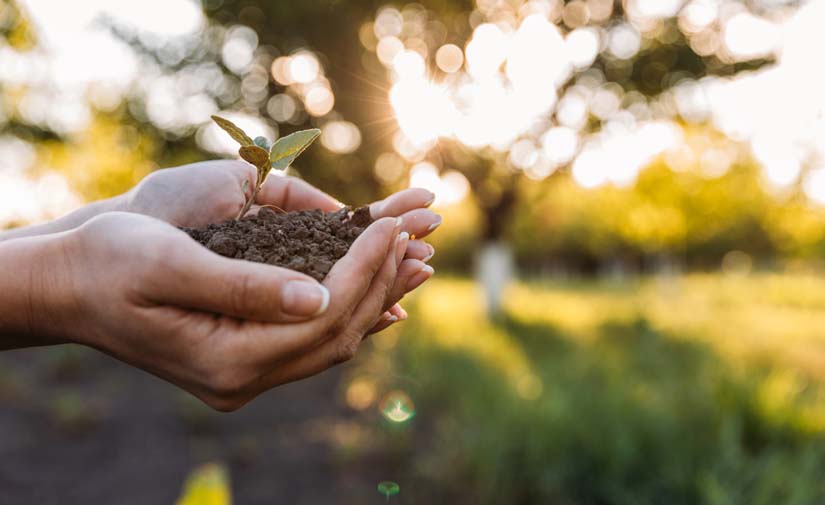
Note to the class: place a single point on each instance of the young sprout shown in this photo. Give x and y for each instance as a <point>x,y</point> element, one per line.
<point>258,152</point>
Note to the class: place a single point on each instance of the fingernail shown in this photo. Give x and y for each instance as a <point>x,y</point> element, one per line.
<point>435,224</point>
<point>431,200</point>
<point>404,314</point>
<point>399,221</point>
<point>304,299</point>
<point>392,319</point>
<point>429,256</point>
<point>419,278</point>
<point>401,246</point>
<point>376,209</point>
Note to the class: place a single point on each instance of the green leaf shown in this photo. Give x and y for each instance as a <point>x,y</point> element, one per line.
<point>262,142</point>
<point>233,130</point>
<point>286,149</point>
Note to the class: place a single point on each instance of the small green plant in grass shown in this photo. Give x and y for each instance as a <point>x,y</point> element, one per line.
<point>278,155</point>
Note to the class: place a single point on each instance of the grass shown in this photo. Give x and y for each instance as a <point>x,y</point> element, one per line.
<point>699,389</point>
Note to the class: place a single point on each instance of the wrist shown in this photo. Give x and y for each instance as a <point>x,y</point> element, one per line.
<point>71,220</point>
<point>37,303</point>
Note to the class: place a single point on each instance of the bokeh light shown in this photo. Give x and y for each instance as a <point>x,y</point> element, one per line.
<point>341,137</point>
<point>319,101</point>
<point>304,67</point>
<point>449,188</point>
<point>361,393</point>
<point>239,48</point>
<point>449,58</point>
<point>282,107</point>
<point>737,264</point>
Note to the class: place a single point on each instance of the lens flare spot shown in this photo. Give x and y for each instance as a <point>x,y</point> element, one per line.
<point>388,488</point>
<point>397,407</point>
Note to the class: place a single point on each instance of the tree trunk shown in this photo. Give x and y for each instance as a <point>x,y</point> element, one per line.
<point>494,271</point>
<point>494,262</point>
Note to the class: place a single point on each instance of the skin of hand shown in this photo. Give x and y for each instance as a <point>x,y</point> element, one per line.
<point>212,191</point>
<point>224,330</point>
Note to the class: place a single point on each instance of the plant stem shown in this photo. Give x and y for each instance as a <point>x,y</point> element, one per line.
<point>249,202</point>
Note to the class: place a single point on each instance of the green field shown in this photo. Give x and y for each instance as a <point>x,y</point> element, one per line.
<point>696,389</point>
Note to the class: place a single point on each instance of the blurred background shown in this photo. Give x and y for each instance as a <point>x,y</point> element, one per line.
<point>629,300</point>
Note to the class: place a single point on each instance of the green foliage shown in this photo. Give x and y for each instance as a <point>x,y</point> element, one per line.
<point>279,157</point>
<point>685,215</point>
<point>617,394</point>
<point>262,142</point>
<point>286,149</point>
<point>237,134</point>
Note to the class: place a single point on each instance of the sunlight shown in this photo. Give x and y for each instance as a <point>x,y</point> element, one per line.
<point>423,109</point>
<point>26,200</point>
<point>814,185</point>
<point>747,36</point>
<point>449,188</point>
<point>618,156</point>
<point>486,51</point>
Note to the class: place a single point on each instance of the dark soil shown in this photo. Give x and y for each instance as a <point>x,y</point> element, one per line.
<point>308,241</point>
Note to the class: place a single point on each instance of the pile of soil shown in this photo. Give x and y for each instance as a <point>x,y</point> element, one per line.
<point>308,241</point>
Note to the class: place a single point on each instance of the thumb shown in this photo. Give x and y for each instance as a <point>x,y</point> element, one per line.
<point>203,280</point>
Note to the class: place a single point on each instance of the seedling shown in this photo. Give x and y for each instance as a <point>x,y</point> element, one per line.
<point>258,152</point>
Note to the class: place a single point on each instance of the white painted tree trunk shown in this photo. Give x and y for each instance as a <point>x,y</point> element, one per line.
<point>494,270</point>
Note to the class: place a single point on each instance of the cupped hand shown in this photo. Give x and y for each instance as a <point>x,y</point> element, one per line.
<point>213,191</point>
<point>223,329</point>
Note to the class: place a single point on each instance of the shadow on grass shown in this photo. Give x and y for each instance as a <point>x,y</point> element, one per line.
<point>630,415</point>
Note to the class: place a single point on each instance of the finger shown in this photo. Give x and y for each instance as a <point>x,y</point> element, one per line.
<point>202,280</point>
<point>396,314</point>
<point>401,202</point>
<point>343,346</point>
<point>243,172</point>
<point>351,277</point>
<point>420,222</point>
<point>290,193</point>
<point>420,250</point>
<point>387,320</point>
<point>399,312</point>
<point>411,274</point>
<point>347,282</point>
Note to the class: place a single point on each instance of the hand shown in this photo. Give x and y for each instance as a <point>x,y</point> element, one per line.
<point>209,192</point>
<point>223,329</point>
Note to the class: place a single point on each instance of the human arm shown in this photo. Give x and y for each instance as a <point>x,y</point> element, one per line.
<point>144,292</point>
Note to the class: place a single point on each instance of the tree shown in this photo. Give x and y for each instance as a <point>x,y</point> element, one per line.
<point>496,89</point>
